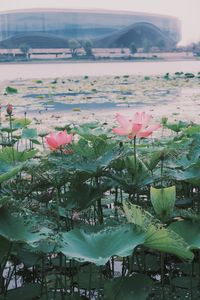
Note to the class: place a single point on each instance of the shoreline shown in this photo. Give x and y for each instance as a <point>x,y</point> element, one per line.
<point>103,61</point>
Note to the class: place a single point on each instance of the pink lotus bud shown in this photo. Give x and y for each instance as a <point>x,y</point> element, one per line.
<point>9,109</point>
<point>75,216</point>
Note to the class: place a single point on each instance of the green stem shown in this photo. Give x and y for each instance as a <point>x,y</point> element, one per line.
<point>100,211</point>
<point>161,171</point>
<point>57,208</point>
<point>99,206</point>
<point>10,121</point>
<point>90,281</point>
<point>162,274</point>
<point>3,265</point>
<point>136,171</point>
<point>135,156</point>
<point>191,278</point>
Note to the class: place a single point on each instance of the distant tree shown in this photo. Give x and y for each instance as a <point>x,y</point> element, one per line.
<point>25,48</point>
<point>87,45</point>
<point>146,46</point>
<point>133,48</point>
<point>74,45</point>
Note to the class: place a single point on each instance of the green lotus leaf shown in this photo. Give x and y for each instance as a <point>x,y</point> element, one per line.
<point>11,155</point>
<point>189,231</point>
<point>185,282</point>
<point>90,277</point>
<point>28,291</point>
<point>20,123</point>
<point>5,245</point>
<point>13,161</point>
<point>58,296</point>
<point>14,229</point>
<point>177,127</point>
<point>11,172</point>
<point>98,246</point>
<point>8,129</point>
<point>153,160</point>
<point>11,90</point>
<point>163,201</point>
<point>136,287</point>
<point>29,133</point>
<point>157,237</point>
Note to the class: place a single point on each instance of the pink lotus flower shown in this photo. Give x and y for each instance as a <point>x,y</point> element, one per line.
<point>56,140</point>
<point>138,126</point>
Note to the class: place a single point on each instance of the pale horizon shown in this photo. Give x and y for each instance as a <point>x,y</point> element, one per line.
<point>186,11</point>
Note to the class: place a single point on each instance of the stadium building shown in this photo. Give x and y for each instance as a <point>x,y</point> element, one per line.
<point>53,28</point>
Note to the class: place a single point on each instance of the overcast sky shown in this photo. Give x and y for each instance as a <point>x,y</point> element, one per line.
<point>188,11</point>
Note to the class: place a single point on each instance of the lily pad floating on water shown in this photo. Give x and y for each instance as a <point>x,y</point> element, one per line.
<point>11,90</point>
<point>189,75</point>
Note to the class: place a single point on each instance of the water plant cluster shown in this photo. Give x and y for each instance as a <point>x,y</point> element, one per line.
<point>94,212</point>
<point>85,94</point>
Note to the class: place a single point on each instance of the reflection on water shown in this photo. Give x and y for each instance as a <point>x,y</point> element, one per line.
<point>58,106</point>
<point>190,91</point>
<point>52,70</point>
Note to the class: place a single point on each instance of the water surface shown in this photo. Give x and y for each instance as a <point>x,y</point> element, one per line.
<point>52,70</point>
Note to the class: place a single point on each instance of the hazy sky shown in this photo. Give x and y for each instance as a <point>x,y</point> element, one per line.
<point>188,11</point>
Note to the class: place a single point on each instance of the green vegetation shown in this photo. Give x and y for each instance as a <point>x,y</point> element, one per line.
<point>25,48</point>
<point>95,212</point>
<point>74,45</point>
<point>87,45</point>
<point>11,90</point>
<point>70,214</point>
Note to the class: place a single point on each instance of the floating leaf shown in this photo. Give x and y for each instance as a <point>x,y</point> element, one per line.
<point>11,90</point>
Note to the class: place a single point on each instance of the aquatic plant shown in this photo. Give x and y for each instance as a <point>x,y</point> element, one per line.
<point>104,222</point>
<point>11,90</point>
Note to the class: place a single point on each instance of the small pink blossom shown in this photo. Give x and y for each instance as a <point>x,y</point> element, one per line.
<point>138,126</point>
<point>56,140</point>
<point>75,216</point>
<point>9,109</point>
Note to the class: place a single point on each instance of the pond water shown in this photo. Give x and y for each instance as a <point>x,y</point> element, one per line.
<point>50,70</point>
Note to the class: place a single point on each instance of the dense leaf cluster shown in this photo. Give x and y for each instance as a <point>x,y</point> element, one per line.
<point>94,221</point>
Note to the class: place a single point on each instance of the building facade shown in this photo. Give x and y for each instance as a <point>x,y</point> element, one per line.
<point>56,24</point>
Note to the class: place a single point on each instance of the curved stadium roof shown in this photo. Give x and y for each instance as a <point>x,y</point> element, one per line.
<point>97,25</point>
